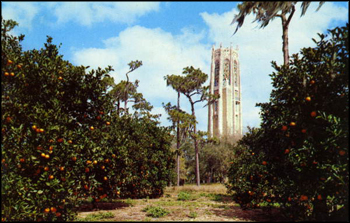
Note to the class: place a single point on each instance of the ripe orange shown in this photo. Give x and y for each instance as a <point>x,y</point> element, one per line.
<point>60,78</point>
<point>253,154</point>
<point>46,168</point>
<point>58,214</point>
<point>74,158</point>
<point>313,114</point>
<point>51,177</point>
<point>101,112</point>
<point>312,82</point>
<point>108,123</point>
<point>9,62</point>
<point>41,130</point>
<point>342,152</point>
<point>22,160</point>
<point>87,170</point>
<point>284,128</point>
<point>53,209</point>
<point>43,155</point>
<point>107,160</point>
<point>6,74</point>
<point>86,187</point>
<point>47,210</point>
<point>314,162</point>
<point>37,130</point>
<point>105,178</point>
<point>34,127</point>
<point>62,168</point>
<point>98,117</point>
<point>92,128</point>
<point>12,74</point>
<point>51,148</point>
<point>95,162</point>
<point>264,163</point>
<point>303,198</point>
<point>88,162</point>
<point>292,124</point>
<point>308,98</point>
<point>303,130</point>
<point>70,141</point>
<point>319,197</point>
<point>286,151</point>
<point>47,156</point>
<point>102,167</point>
<point>60,140</point>
<point>19,66</point>
<point>289,199</point>
<point>113,155</point>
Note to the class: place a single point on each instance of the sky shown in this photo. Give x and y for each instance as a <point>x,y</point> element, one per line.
<point>167,37</point>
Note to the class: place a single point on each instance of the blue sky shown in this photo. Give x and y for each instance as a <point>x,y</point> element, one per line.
<point>166,37</point>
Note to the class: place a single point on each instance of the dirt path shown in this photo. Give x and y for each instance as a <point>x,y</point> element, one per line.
<point>209,203</point>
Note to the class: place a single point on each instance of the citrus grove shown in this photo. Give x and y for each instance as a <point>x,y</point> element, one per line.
<point>63,139</point>
<point>299,158</point>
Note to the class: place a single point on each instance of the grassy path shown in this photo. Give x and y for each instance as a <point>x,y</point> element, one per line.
<point>206,203</point>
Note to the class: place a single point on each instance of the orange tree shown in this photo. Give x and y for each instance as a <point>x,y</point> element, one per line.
<point>62,138</point>
<point>301,151</point>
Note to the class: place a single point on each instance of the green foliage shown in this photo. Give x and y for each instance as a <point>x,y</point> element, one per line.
<point>299,157</point>
<point>184,196</point>
<point>63,139</point>
<point>156,211</point>
<point>98,216</point>
<point>193,214</point>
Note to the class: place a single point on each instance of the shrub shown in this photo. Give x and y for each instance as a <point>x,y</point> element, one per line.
<point>156,211</point>
<point>299,156</point>
<point>184,196</point>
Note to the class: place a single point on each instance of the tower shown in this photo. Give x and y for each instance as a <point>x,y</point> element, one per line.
<point>225,115</point>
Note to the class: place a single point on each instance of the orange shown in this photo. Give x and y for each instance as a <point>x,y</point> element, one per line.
<point>58,214</point>
<point>74,158</point>
<point>47,156</point>
<point>6,74</point>
<point>22,160</point>
<point>47,210</point>
<point>53,209</point>
<point>88,162</point>
<point>308,98</point>
<point>34,127</point>
<point>51,177</point>
<point>51,148</point>
<point>60,140</point>
<point>86,187</point>
<point>292,124</point>
<point>342,152</point>
<point>286,151</point>
<point>105,178</point>
<point>46,168</point>
<point>95,162</point>
<point>319,197</point>
<point>113,155</point>
<point>43,155</point>
<point>12,74</point>
<point>303,130</point>
<point>314,162</point>
<point>41,130</point>
<point>102,167</point>
<point>264,163</point>
<point>19,66</point>
<point>60,78</point>
<point>62,168</point>
<point>313,114</point>
<point>289,199</point>
<point>9,62</point>
<point>312,82</point>
<point>108,123</point>
<point>98,117</point>
<point>37,130</point>
<point>284,128</point>
<point>92,128</point>
<point>303,198</point>
<point>87,170</point>
<point>70,141</point>
<point>107,160</point>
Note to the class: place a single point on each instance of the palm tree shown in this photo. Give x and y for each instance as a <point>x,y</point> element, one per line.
<point>266,12</point>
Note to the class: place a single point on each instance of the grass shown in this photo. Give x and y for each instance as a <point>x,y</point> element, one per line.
<point>97,216</point>
<point>155,211</point>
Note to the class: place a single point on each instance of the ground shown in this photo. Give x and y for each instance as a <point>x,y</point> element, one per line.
<point>206,203</point>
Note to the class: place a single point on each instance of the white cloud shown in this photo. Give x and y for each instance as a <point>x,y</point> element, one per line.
<point>21,12</point>
<point>161,54</point>
<point>258,47</point>
<point>87,13</point>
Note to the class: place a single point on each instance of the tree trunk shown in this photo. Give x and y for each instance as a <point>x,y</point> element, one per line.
<point>178,142</point>
<point>285,45</point>
<point>195,145</point>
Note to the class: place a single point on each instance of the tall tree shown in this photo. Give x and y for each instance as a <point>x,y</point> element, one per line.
<point>267,11</point>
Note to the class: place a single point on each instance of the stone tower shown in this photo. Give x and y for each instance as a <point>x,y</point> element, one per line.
<point>225,115</point>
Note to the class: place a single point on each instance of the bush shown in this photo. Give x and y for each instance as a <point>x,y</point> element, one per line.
<point>184,196</point>
<point>156,211</point>
<point>64,140</point>
<point>299,156</point>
